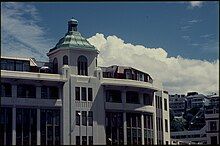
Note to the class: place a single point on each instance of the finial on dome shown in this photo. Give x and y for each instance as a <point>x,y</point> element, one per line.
<point>72,24</point>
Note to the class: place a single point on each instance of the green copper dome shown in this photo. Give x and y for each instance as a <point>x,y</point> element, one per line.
<point>73,39</point>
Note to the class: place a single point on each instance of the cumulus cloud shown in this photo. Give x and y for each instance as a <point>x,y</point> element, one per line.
<point>21,33</point>
<point>23,36</point>
<point>179,75</point>
<point>194,4</point>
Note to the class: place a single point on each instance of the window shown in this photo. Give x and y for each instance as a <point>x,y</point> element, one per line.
<point>19,65</point>
<point>77,140</point>
<point>82,66</point>
<point>214,140</point>
<point>78,118</point>
<point>90,140</point>
<point>26,91</point>
<point>90,96</point>
<point>50,127</point>
<point>65,60</point>
<point>133,128</point>
<point>83,93</point>
<point>77,93</point>
<point>90,118</point>
<point>147,99</point>
<point>5,126</point>
<point>6,90</point>
<point>166,125</point>
<point>165,104</point>
<point>84,118</point>
<point>132,97</point>
<point>55,66</point>
<point>160,102</point>
<point>15,65</point>
<point>26,126</point>
<point>114,128</point>
<point>113,96</point>
<point>213,126</point>
<point>128,74</point>
<point>49,92</point>
<point>84,140</point>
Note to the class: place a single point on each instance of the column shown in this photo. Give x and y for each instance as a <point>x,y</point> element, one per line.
<point>14,95</point>
<point>38,92</point>
<point>13,126</point>
<point>14,91</point>
<point>154,127</point>
<point>142,128</point>
<point>125,128</point>
<point>38,127</point>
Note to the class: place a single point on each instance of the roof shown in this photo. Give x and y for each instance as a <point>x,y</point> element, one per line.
<point>73,39</point>
<point>31,60</point>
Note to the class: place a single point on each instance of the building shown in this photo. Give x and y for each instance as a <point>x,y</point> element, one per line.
<point>212,120</point>
<point>177,104</point>
<point>70,100</point>
<point>200,120</point>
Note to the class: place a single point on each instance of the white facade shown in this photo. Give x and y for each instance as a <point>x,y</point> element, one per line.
<point>82,96</point>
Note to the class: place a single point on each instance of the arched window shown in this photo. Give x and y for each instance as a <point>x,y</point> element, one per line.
<point>65,60</point>
<point>55,66</point>
<point>82,65</point>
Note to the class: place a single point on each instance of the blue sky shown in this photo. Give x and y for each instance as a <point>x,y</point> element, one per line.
<point>175,42</point>
<point>191,32</point>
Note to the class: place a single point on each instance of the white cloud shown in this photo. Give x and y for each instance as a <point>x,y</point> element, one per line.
<point>194,4</point>
<point>22,36</point>
<point>20,31</point>
<point>179,75</point>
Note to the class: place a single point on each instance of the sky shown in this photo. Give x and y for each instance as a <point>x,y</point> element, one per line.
<point>175,42</point>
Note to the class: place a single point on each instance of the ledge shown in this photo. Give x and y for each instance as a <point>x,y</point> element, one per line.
<point>32,76</point>
<point>131,83</point>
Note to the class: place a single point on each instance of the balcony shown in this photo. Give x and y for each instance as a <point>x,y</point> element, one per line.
<point>32,76</point>
<point>156,85</point>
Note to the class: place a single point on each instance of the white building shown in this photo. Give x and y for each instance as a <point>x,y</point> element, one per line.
<point>70,100</point>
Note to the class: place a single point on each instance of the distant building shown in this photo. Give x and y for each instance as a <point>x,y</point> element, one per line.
<point>71,101</point>
<point>177,104</point>
<point>201,114</point>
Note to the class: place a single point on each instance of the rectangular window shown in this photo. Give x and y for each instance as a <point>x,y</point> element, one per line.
<point>53,92</point>
<point>49,92</point>
<point>78,118</point>
<point>84,118</point>
<point>132,97</point>
<point>90,140</point>
<point>19,65</point>
<point>77,93</point>
<point>214,140</point>
<point>77,140</point>
<point>165,104</point>
<point>113,96</point>
<point>213,126</point>
<point>83,93</point>
<point>90,96</point>
<point>147,99</point>
<point>114,128</point>
<point>26,91</point>
<point>6,90</point>
<point>160,102</point>
<point>50,127</point>
<point>84,140</point>
<point>26,126</point>
<point>166,125</point>
<point>5,126</point>
<point>90,118</point>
